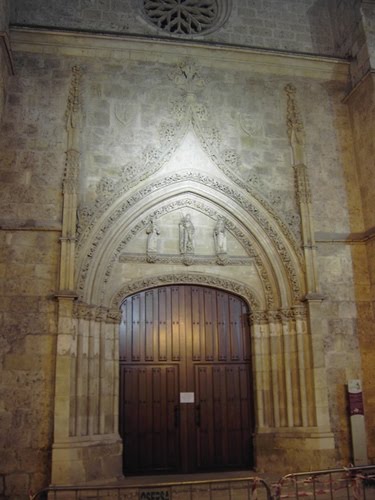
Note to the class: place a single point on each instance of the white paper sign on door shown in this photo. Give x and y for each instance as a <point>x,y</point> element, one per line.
<point>186,397</point>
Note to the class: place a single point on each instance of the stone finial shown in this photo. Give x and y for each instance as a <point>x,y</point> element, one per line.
<point>296,132</point>
<point>73,105</point>
<point>186,76</point>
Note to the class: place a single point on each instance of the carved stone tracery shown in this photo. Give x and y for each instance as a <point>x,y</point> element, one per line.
<point>186,17</point>
<point>186,111</point>
<point>226,190</point>
<point>170,207</point>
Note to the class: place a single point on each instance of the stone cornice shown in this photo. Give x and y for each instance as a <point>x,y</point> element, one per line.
<point>346,238</point>
<point>134,47</point>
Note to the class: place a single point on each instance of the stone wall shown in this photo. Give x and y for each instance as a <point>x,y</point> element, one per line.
<point>300,26</point>
<point>31,164</point>
<point>361,105</point>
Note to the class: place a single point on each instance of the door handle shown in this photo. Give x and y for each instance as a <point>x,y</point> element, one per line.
<point>198,415</point>
<point>176,415</point>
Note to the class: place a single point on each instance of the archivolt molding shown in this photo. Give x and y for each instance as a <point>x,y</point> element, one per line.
<point>185,278</point>
<point>291,274</point>
<point>243,201</point>
<point>166,208</point>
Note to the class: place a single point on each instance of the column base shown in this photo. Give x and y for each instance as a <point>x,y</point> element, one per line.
<point>286,450</point>
<point>81,461</point>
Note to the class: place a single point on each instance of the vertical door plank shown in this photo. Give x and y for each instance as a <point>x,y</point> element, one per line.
<point>222,325</point>
<point>233,415</point>
<point>196,323</point>
<point>172,418</point>
<point>135,331</point>
<point>156,403</point>
<point>234,330</point>
<point>245,333</point>
<point>175,297</point>
<point>210,321</point>
<point>218,415</point>
<point>162,334</point>
<point>149,325</point>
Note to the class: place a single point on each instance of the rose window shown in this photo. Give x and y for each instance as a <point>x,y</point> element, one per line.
<point>185,17</point>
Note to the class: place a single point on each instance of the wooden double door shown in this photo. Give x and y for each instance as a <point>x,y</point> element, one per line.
<point>185,381</point>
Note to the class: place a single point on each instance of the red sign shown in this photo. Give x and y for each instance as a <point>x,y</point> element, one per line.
<point>356,403</point>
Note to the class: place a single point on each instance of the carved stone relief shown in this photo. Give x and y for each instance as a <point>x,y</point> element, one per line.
<point>187,254</point>
<point>187,110</point>
<point>241,200</point>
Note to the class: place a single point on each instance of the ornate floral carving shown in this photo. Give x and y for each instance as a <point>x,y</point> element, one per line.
<point>278,316</point>
<point>83,311</point>
<point>197,279</point>
<point>72,113</point>
<point>184,111</point>
<point>208,260</point>
<point>113,316</point>
<point>300,312</point>
<point>231,158</point>
<point>221,187</point>
<point>186,76</point>
<point>258,317</point>
<point>106,187</point>
<point>296,132</point>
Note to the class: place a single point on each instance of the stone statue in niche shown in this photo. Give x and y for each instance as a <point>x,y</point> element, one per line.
<point>220,237</point>
<point>153,233</point>
<point>187,231</point>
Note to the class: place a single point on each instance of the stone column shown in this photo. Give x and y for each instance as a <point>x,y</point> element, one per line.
<point>291,410</point>
<point>313,297</point>
<point>86,441</point>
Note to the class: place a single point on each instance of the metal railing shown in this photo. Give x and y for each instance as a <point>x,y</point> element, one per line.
<point>244,488</point>
<point>352,483</point>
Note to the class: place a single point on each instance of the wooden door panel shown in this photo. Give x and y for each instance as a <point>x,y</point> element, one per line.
<point>149,427</point>
<point>223,427</point>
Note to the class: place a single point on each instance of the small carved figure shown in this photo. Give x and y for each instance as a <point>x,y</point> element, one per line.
<point>153,233</point>
<point>187,231</point>
<point>220,237</point>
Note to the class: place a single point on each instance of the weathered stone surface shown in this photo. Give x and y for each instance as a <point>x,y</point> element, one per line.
<point>157,132</point>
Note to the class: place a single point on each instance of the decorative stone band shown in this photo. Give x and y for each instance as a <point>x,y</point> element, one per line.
<point>99,314</point>
<point>277,316</point>
<point>187,260</point>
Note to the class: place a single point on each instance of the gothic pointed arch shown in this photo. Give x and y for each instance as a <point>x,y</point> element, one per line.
<point>272,252</point>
